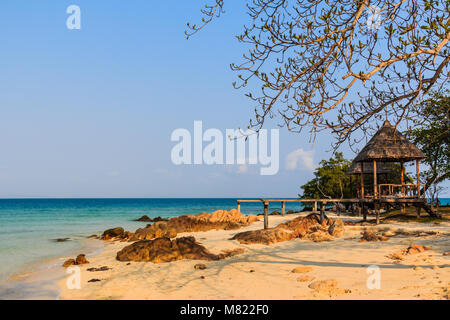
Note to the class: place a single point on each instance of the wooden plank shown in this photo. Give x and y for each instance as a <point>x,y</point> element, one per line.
<point>283,208</point>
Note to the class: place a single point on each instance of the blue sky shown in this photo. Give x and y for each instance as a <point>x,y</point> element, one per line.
<point>89,113</point>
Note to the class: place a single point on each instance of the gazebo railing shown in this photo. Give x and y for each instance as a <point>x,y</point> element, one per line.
<point>400,190</point>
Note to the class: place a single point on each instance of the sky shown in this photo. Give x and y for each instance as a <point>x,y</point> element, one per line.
<point>90,112</point>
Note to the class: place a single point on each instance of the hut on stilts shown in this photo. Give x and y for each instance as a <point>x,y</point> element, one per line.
<point>389,146</point>
<point>377,159</point>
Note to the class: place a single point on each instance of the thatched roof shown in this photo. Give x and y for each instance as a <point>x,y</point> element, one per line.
<point>389,145</point>
<point>355,168</point>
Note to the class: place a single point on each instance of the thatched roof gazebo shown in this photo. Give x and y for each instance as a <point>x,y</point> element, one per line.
<point>355,168</point>
<point>388,145</point>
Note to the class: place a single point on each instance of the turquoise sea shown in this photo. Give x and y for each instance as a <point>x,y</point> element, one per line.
<point>28,227</point>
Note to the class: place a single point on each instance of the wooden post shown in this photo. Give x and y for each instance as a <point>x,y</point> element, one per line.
<point>315,206</point>
<point>283,208</point>
<point>359,210</point>
<point>362,180</point>
<point>363,209</point>
<point>375,186</point>
<point>418,180</point>
<point>322,211</point>
<point>418,208</point>
<point>401,177</point>
<point>266,215</point>
<point>239,206</point>
<point>377,211</point>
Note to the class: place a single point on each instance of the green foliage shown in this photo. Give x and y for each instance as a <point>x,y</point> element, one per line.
<point>330,180</point>
<point>431,133</point>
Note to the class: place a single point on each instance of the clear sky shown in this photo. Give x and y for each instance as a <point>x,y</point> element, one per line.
<point>89,113</point>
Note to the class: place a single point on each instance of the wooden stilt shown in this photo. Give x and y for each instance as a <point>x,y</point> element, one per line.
<point>375,184</point>
<point>362,179</point>
<point>418,209</point>
<point>315,207</point>
<point>322,211</point>
<point>377,211</point>
<point>363,209</point>
<point>418,178</point>
<point>283,208</point>
<point>239,207</point>
<point>266,215</point>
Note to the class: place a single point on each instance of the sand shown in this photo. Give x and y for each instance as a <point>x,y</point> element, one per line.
<point>265,272</point>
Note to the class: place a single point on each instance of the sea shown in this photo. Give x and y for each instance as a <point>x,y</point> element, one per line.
<point>29,227</point>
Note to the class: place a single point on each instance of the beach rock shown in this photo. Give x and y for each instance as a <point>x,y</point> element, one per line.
<point>301,270</point>
<point>229,253</point>
<point>415,248</point>
<point>156,230</point>
<point>275,213</point>
<point>81,259</point>
<point>104,268</point>
<point>165,250</point>
<point>94,280</point>
<point>264,236</point>
<point>252,218</point>
<point>324,284</point>
<point>61,239</point>
<point>69,262</point>
<point>337,228</point>
<point>446,253</point>
<point>112,233</point>
<point>305,278</point>
<point>319,236</point>
<point>290,212</point>
<point>93,236</point>
<point>219,220</point>
<point>308,228</point>
<point>369,235</point>
<point>144,218</point>
<point>200,266</point>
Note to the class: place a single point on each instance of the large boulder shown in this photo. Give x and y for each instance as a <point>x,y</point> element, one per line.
<point>112,233</point>
<point>165,250</point>
<point>264,236</point>
<point>310,227</point>
<point>156,230</point>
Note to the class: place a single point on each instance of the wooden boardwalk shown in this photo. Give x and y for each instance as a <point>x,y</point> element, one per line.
<point>417,202</point>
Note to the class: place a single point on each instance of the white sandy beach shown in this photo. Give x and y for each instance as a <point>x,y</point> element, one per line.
<point>265,272</point>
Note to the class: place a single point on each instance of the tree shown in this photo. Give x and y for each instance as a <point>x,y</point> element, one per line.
<point>431,133</point>
<point>340,64</point>
<point>330,180</point>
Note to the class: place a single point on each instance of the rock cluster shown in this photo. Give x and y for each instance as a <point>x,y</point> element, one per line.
<point>412,249</point>
<point>220,219</point>
<point>165,250</point>
<point>146,218</point>
<point>309,228</point>
<point>80,259</point>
